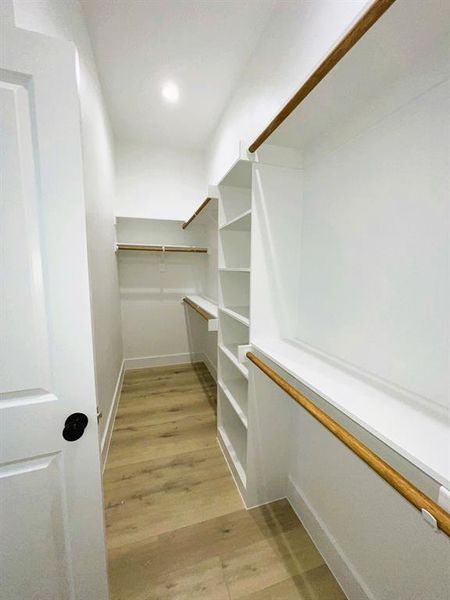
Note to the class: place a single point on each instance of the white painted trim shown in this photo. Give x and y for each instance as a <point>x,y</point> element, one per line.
<point>231,468</point>
<point>107,433</point>
<point>339,564</point>
<point>209,365</point>
<point>163,360</point>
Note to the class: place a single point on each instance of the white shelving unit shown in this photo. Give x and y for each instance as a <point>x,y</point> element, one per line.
<point>235,215</point>
<point>349,244</point>
<point>242,222</point>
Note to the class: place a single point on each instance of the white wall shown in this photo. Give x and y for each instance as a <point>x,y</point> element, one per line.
<point>376,543</point>
<point>374,258</point>
<point>158,183</point>
<point>163,183</point>
<point>299,35</point>
<point>155,329</point>
<point>65,19</point>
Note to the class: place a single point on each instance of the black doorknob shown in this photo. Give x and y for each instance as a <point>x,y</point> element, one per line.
<point>74,426</point>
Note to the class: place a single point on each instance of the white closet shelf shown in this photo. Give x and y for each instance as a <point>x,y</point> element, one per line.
<point>205,304</point>
<point>419,435</point>
<point>176,223</point>
<point>240,313</point>
<point>232,458</point>
<point>242,222</point>
<point>235,269</point>
<point>205,308</point>
<point>233,402</point>
<point>160,248</point>
<point>231,351</point>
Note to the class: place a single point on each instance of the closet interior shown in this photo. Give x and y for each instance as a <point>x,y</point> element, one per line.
<point>333,270</point>
<point>235,219</point>
<point>322,251</point>
<point>321,269</point>
<point>168,288</point>
<point>350,239</point>
<point>226,327</point>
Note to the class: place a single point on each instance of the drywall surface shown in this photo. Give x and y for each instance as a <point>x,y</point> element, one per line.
<point>297,38</point>
<point>276,221</point>
<point>66,20</point>
<point>154,323</point>
<point>158,328</point>
<point>158,183</point>
<point>377,544</point>
<point>374,288</point>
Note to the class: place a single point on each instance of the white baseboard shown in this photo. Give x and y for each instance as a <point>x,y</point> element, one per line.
<point>339,564</point>
<point>209,365</point>
<point>163,360</point>
<point>231,468</point>
<point>107,433</point>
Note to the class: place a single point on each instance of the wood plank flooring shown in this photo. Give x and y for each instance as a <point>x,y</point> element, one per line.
<point>176,526</point>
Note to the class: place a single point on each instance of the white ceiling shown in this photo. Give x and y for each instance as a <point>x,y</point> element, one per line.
<point>202,45</point>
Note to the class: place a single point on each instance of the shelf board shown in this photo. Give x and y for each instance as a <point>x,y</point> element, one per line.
<point>240,313</point>
<point>235,270</point>
<point>234,403</point>
<point>124,218</point>
<point>242,222</point>
<point>228,351</point>
<point>235,465</point>
<point>205,305</point>
<point>160,248</point>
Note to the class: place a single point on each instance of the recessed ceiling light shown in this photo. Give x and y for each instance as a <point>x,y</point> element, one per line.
<point>170,92</point>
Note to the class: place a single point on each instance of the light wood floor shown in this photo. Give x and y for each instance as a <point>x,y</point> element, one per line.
<point>176,526</point>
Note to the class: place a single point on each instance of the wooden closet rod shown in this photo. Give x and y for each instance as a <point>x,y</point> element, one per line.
<point>157,248</point>
<point>392,477</point>
<point>197,308</point>
<point>197,212</point>
<point>369,18</point>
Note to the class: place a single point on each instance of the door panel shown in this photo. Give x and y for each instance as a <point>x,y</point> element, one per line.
<point>51,513</point>
<point>25,484</point>
<point>23,325</point>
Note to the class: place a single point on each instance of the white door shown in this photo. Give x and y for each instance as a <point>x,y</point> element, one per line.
<point>51,513</point>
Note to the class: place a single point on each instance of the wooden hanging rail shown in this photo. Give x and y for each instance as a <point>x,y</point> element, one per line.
<point>369,18</point>
<point>158,248</point>
<point>392,477</point>
<point>198,309</point>
<point>197,212</point>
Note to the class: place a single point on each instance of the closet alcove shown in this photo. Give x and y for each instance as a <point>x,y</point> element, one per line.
<point>351,248</point>
<point>160,263</point>
<point>345,218</point>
